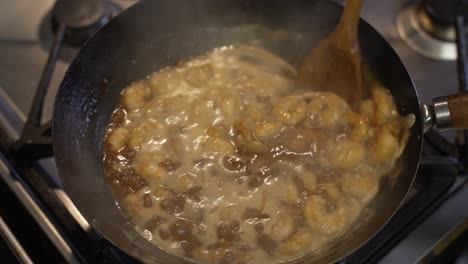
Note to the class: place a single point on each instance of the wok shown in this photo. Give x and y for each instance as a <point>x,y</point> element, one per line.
<point>154,34</point>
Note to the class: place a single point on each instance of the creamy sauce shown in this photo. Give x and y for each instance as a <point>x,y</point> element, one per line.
<point>221,160</point>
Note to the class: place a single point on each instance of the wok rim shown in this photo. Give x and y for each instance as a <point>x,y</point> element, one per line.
<point>67,187</point>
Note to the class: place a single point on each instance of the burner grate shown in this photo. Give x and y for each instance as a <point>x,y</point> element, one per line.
<point>430,187</point>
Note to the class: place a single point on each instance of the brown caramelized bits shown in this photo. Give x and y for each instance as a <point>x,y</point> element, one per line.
<point>117,117</point>
<point>181,229</point>
<point>198,217</point>
<point>233,164</point>
<point>252,213</point>
<point>194,193</point>
<point>259,227</point>
<point>229,231</point>
<point>195,214</point>
<point>173,204</point>
<point>147,200</point>
<point>256,180</point>
<point>170,165</point>
<point>233,124</point>
<point>154,222</point>
<point>260,163</point>
<point>266,243</point>
<point>163,234</point>
<point>190,244</point>
<point>228,258</point>
<point>129,181</point>
<point>260,169</point>
<point>127,153</point>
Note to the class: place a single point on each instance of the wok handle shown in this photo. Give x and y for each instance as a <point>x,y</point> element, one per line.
<point>451,112</point>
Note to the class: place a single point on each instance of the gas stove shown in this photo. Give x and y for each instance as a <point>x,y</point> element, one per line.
<point>38,221</point>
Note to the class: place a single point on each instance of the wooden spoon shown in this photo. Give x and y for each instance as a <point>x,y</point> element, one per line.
<point>335,64</point>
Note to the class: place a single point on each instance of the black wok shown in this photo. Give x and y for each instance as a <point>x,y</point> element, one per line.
<point>155,34</point>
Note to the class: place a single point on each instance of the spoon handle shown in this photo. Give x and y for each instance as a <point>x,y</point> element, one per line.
<point>346,32</point>
<point>350,17</point>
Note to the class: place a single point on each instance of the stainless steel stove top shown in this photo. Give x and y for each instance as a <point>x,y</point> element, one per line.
<point>25,39</point>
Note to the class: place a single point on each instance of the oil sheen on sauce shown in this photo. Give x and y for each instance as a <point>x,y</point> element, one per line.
<point>221,160</point>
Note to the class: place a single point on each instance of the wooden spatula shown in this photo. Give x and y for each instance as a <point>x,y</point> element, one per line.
<point>335,64</point>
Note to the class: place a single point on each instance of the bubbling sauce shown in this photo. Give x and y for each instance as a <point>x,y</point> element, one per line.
<point>222,160</point>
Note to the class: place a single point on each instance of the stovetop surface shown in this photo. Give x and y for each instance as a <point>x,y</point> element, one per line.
<point>25,39</point>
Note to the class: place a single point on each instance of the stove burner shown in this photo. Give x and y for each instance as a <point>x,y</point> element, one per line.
<point>426,35</point>
<point>429,28</point>
<point>438,18</point>
<point>83,18</point>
